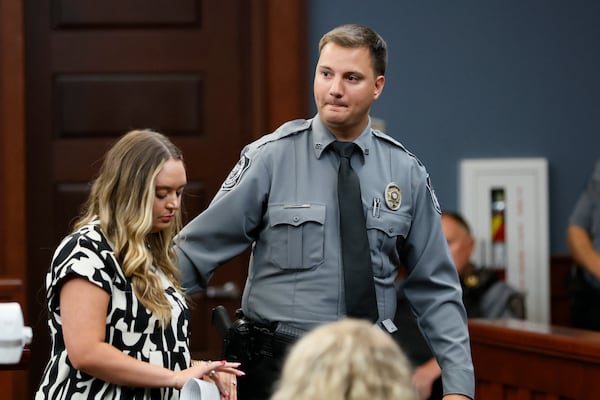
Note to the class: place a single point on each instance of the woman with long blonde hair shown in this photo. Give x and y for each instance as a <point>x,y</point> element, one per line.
<point>117,314</point>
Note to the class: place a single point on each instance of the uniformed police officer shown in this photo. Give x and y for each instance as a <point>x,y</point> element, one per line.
<point>583,237</point>
<point>281,199</point>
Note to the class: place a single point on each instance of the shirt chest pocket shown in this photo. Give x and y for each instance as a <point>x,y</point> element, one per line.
<point>296,235</point>
<point>387,232</point>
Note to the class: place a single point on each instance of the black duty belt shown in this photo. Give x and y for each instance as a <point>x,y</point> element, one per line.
<point>244,340</point>
<point>274,342</point>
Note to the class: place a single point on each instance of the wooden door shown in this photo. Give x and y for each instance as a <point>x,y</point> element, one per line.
<point>198,71</point>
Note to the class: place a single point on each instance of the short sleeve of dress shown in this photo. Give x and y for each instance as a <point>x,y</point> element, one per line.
<point>85,254</point>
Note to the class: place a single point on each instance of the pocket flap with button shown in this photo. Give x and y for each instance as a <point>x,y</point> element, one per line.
<point>296,235</point>
<point>297,215</point>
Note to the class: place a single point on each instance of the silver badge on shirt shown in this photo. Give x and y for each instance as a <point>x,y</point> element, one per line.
<point>393,196</point>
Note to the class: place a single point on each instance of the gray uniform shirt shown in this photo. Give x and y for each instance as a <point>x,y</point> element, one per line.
<point>281,198</point>
<point>586,215</point>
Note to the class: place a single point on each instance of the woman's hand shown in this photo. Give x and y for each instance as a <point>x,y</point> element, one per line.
<point>222,373</point>
<point>226,382</point>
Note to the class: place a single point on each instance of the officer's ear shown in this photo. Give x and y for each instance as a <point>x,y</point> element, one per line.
<point>379,83</point>
<point>470,244</point>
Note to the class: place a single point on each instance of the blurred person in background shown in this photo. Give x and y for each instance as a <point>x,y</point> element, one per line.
<point>583,239</point>
<point>485,295</point>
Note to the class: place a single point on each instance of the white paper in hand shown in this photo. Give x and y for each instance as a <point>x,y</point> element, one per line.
<point>197,389</point>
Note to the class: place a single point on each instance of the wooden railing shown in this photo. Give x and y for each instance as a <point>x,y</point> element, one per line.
<point>523,360</point>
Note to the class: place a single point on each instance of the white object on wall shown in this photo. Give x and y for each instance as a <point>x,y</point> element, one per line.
<point>13,335</point>
<point>525,185</point>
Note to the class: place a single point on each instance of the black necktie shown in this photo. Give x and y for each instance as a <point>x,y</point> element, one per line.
<point>361,301</point>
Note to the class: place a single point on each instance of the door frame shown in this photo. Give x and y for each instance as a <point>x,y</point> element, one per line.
<point>12,141</point>
<point>278,57</point>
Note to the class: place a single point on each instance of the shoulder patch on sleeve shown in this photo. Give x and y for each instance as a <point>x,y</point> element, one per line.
<point>235,176</point>
<point>434,200</point>
<point>249,152</point>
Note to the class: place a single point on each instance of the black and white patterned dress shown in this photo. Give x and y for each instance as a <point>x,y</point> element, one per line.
<point>130,327</point>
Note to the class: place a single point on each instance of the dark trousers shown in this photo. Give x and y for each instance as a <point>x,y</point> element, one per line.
<point>584,300</point>
<point>260,379</point>
<point>261,350</point>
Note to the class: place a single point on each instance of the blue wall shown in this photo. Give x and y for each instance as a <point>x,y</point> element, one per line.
<point>495,78</point>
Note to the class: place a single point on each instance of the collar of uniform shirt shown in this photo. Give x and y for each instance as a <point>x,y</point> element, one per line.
<point>322,138</point>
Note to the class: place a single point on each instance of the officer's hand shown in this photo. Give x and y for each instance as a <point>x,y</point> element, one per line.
<point>424,377</point>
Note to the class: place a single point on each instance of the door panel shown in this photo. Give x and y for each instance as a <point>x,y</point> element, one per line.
<point>68,13</point>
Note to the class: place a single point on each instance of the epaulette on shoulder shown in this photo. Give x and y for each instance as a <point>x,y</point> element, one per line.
<point>287,129</point>
<point>389,139</point>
